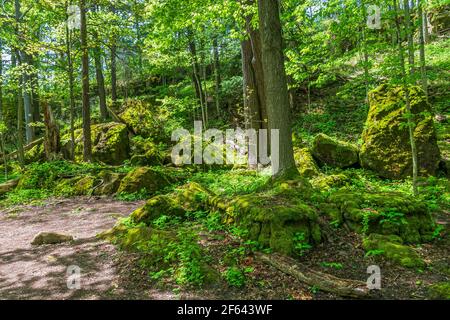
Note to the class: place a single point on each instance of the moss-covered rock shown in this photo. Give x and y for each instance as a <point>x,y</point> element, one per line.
<point>84,186</point>
<point>333,152</point>
<point>50,238</point>
<point>156,207</point>
<point>440,291</point>
<point>386,145</point>
<point>393,249</point>
<point>141,118</point>
<point>188,198</point>
<point>381,212</point>
<point>110,144</point>
<point>143,178</point>
<point>145,152</point>
<point>272,222</point>
<point>305,163</point>
<point>326,182</point>
<point>109,182</point>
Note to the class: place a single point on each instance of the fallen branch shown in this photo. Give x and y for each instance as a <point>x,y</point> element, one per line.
<point>25,148</point>
<point>322,281</point>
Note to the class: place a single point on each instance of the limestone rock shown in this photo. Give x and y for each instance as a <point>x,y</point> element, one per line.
<point>333,152</point>
<point>50,238</point>
<point>386,145</point>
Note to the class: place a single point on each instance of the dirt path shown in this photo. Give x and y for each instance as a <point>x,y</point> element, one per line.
<point>29,272</point>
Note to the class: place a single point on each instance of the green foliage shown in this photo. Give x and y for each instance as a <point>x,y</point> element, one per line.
<point>334,265</point>
<point>301,245</point>
<point>235,277</point>
<point>142,194</point>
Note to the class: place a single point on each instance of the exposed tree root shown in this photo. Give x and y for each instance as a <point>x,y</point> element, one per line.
<point>325,282</point>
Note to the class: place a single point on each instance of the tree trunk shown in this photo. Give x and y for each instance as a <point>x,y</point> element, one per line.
<point>407,101</point>
<point>113,72</point>
<point>52,144</point>
<point>217,75</point>
<point>2,137</point>
<point>100,80</point>
<point>196,77</point>
<point>71,88</point>
<point>409,34</point>
<point>87,149</point>
<point>423,70</point>
<point>275,84</point>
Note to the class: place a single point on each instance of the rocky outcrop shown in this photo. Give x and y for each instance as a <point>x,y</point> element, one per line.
<point>334,153</point>
<point>110,143</point>
<point>386,145</point>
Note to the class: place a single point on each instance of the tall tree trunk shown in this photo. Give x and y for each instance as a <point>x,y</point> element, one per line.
<point>196,76</point>
<point>275,83</point>
<point>217,75</point>
<point>113,72</point>
<point>2,137</point>
<point>426,34</point>
<point>87,149</point>
<point>410,35</point>
<point>423,70</point>
<point>20,116</point>
<point>100,80</point>
<point>407,101</point>
<point>71,88</point>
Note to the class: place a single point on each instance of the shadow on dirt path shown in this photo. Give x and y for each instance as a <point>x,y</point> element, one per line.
<point>30,272</point>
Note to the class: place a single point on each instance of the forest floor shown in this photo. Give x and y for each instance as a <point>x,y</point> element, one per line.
<point>30,272</point>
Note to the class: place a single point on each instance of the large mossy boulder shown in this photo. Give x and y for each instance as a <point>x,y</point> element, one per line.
<point>145,152</point>
<point>305,163</point>
<point>187,198</point>
<point>386,145</point>
<point>110,143</point>
<point>387,213</point>
<point>141,178</point>
<point>334,153</point>
<point>141,118</point>
<point>274,224</point>
<point>392,248</point>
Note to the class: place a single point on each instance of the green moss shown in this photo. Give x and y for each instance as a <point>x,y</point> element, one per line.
<point>35,154</point>
<point>157,207</point>
<point>382,212</point>
<point>386,146</point>
<point>440,291</point>
<point>305,163</point>
<point>143,177</point>
<point>110,144</point>
<point>109,183</point>
<point>334,153</point>
<point>393,249</point>
<point>84,186</point>
<point>325,182</point>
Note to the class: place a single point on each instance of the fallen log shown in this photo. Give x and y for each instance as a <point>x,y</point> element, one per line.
<point>325,282</point>
<point>25,148</point>
<point>8,186</point>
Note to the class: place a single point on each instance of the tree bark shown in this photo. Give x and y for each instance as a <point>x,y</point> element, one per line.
<point>275,84</point>
<point>52,145</point>
<point>100,80</point>
<point>2,137</point>
<point>87,149</point>
<point>423,70</point>
<point>409,34</point>
<point>71,88</point>
<point>217,75</point>
<point>407,100</point>
<point>113,72</point>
